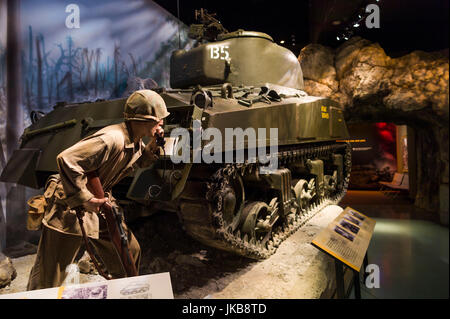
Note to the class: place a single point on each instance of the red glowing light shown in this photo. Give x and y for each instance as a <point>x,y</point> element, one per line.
<point>387,136</point>
<point>381,125</point>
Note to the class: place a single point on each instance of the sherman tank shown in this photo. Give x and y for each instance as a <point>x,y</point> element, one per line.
<point>289,161</point>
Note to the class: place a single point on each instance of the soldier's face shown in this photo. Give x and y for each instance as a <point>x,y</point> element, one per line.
<point>151,128</point>
<point>157,128</point>
<point>146,129</point>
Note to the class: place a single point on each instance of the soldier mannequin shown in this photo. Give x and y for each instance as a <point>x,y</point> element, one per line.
<point>113,152</point>
<point>140,130</point>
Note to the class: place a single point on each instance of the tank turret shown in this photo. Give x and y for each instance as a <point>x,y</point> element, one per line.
<point>242,58</point>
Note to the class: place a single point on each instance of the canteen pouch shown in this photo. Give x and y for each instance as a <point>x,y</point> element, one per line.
<point>36,210</point>
<point>37,205</point>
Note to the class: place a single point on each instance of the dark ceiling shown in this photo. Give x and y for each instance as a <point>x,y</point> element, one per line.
<point>405,25</point>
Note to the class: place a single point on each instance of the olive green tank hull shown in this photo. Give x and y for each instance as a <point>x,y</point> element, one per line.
<point>229,206</point>
<point>298,120</point>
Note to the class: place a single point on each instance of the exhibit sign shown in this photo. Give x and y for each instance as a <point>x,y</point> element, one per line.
<point>347,237</point>
<point>155,286</point>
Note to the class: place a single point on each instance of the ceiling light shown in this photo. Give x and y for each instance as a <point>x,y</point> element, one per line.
<point>356,25</point>
<point>282,41</point>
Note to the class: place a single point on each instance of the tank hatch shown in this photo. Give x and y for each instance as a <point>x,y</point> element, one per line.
<point>244,34</point>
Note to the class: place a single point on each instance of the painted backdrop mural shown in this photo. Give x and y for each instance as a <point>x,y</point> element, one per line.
<point>80,50</point>
<point>69,59</point>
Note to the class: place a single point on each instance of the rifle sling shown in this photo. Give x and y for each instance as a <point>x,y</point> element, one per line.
<point>115,237</point>
<point>117,234</point>
<point>89,248</point>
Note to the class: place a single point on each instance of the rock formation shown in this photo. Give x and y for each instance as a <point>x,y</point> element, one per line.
<point>373,87</point>
<point>7,271</point>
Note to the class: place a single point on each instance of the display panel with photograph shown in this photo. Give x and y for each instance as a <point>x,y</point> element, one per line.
<point>96,292</point>
<point>354,229</point>
<point>347,237</point>
<point>356,214</point>
<point>352,220</point>
<point>343,233</point>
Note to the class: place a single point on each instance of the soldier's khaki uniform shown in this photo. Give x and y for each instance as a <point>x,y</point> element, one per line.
<point>113,155</point>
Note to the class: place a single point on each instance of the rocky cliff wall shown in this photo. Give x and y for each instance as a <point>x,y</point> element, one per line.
<point>373,87</point>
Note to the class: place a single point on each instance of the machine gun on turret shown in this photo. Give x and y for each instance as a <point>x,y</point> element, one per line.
<point>208,29</point>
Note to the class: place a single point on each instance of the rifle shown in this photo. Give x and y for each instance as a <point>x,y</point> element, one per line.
<point>113,219</point>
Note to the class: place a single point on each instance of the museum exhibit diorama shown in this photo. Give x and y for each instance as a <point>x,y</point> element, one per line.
<point>303,154</point>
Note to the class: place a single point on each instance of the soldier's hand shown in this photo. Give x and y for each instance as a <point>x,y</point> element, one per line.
<point>94,204</point>
<point>158,129</point>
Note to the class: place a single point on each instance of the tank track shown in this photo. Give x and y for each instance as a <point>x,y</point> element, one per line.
<point>203,219</point>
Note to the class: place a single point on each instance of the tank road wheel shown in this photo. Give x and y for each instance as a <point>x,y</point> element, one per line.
<point>258,219</point>
<point>295,210</point>
<point>304,191</point>
<point>330,183</point>
<point>232,199</point>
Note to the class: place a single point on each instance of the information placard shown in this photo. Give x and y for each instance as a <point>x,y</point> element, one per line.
<point>347,237</point>
<point>156,286</point>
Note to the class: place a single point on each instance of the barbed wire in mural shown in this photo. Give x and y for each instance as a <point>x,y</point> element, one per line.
<point>77,74</point>
<point>58,65</point>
